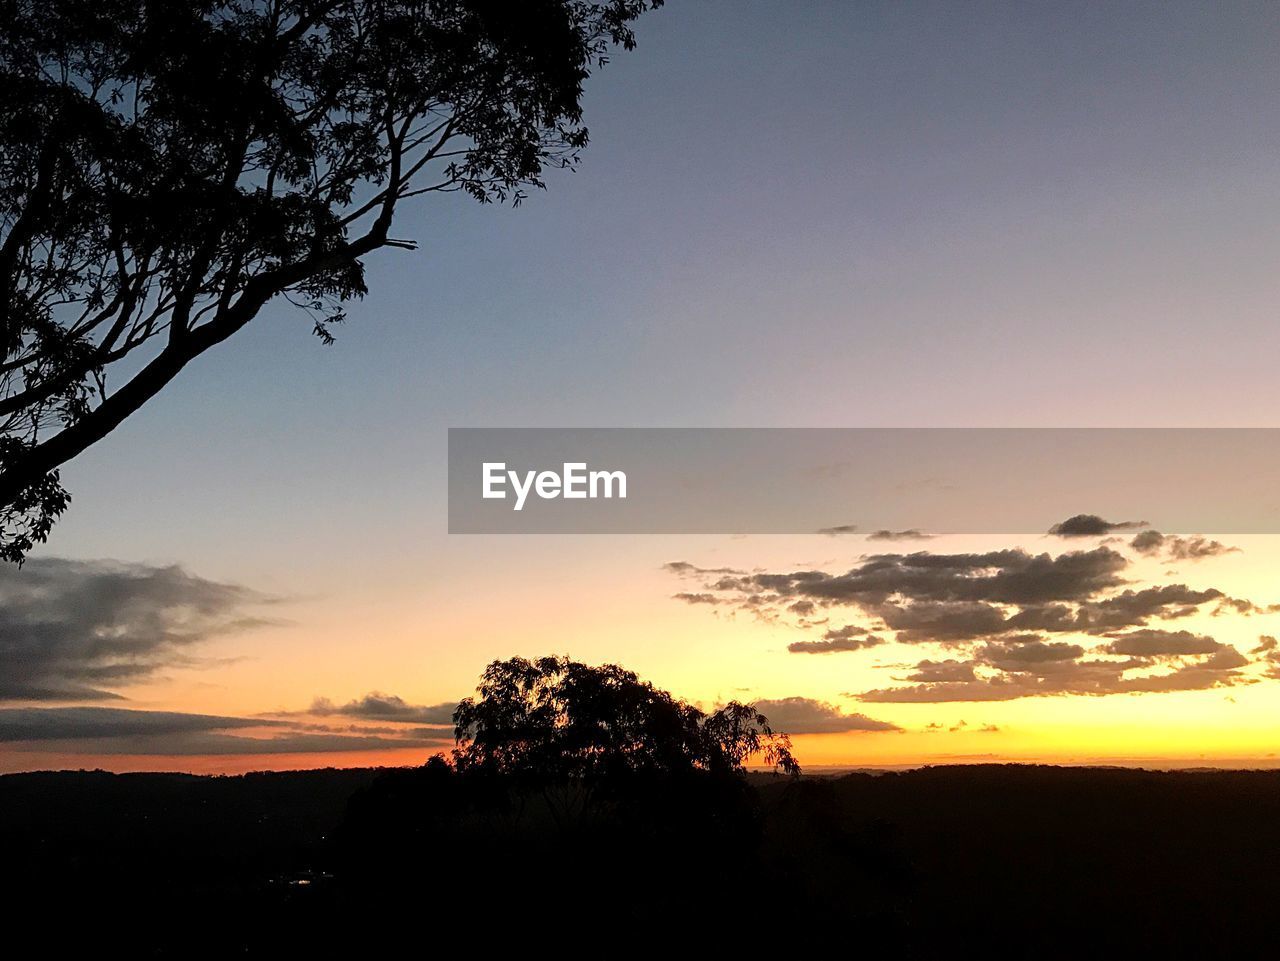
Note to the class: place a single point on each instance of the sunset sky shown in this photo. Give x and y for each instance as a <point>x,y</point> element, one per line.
<point>790,215</point>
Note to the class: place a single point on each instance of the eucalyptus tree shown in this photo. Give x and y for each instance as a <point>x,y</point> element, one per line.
<point>169,167</point>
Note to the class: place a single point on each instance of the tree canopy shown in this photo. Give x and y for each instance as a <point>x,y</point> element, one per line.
<point>168,167</point>
<point>558,719</point>
<point>574,785</point>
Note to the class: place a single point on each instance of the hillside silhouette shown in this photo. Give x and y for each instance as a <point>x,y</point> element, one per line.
<point>1016,861</point>
<point>585,807</point>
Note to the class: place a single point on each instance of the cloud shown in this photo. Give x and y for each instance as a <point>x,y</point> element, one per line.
<point>838,530</point>
<point>61,723</point>
<point>908,535</point>
<point>1155,643</point>
<point>1268,654</point>
<point>943,621</point>
<point>1009,576</point>
<point>685,569</point>
<point>224,745</point>
<point>119,731</point>
<point>1131,608</point>
<point>960,726</point>
<point>1091,525</point>
<point>1019,657</point>
<point>1005,672</point>
<point>689,598</point>
<point>847,638</point>
<point>803,715</point>
<point>376,706</point>
<point>1152,543</point>
<point>942,692</point>
<point>933,672</point>
<point>1197,548</point>
<point>1012,624</point>
<point>76,630</point>
<point>1147,542</point>
<point>936,597</point>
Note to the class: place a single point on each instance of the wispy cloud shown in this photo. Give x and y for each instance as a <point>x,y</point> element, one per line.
<point>838,530</point>
<point>376,706</point>
<point>120,731</point>
<point>911,534</point>
<point>847,638</point>
<point>1154,544</point>
<point>803,715</point>
<point>79,630</point>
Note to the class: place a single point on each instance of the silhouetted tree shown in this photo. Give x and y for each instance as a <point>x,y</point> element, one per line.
<point>557,719</point>
<point>167,167</point>
<point>572,784</point>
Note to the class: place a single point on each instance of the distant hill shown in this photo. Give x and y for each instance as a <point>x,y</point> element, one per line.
<point>1019,861</point>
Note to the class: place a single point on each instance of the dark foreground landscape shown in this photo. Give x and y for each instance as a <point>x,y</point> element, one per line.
<point>1021,861</point>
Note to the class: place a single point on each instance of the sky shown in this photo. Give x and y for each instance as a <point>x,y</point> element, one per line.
<point>789,215</point>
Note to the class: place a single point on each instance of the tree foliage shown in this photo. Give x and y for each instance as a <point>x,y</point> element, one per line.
<point>573,786</point>
<point>168,167</point>
<point>555,719</point>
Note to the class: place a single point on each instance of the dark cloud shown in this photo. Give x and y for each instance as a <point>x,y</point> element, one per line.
<point>1038,669</point>
<point>828,647</point>
<point>1197,548</point>
<point>224,745</point>
<point>959,726</point>
<point>838,530</point>
<point>61,723</point>
<point>1153,543</point>
<point>1091,525</point>
<point>1018,657</point>
<point>942,621</point>
<point>941,692</point>
<point>949,622</point>
<point>847,638</point>
<point>1147,542</point>
<point>685,569</point>
<point>1128,608</point>
<point>907,535</point>
<point>1239,605</point>
<point>934,672</point>
<point>945,598</point>
<point>689,598</point>
<point>803,715</point>
<point>117,731</point>
<point>75,630</point>
<point>376,706</point>
<point>1017,624</point>
<point>1268,654</point>
<point>1156,643</point>
<point>1007,577</point>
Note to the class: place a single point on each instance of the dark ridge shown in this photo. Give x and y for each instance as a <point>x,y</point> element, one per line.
<point>1019,861</point>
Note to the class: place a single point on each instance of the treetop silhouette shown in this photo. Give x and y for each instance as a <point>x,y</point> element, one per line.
<point>168,168</point>
<point>558,719</point>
